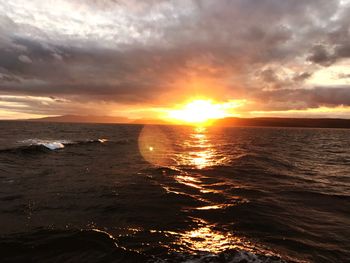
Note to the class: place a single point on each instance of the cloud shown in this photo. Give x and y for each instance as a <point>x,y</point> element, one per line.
<point>344,76</point>
<point>300,99</point>
<point>157,52</point>
<point>320,55</point>
<point>24,59</point>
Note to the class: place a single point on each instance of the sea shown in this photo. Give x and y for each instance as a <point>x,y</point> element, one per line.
<point>148,193</point>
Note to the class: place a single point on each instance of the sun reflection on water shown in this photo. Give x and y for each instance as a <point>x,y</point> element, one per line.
<point>187,154</point>
<point>196,149</point>
<point>189,181</point>
<point>205,238</point>
<point>199,152</point>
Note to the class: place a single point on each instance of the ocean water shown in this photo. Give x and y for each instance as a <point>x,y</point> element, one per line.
<point>133,193</point>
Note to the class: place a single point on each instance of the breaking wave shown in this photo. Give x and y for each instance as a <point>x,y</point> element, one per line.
<point>39,146</point>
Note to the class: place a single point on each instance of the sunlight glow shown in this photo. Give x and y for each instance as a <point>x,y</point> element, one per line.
<point>202,111</point>
<point>320,112</point>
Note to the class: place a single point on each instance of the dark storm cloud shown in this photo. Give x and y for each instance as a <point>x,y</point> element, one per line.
<point>248,45</point>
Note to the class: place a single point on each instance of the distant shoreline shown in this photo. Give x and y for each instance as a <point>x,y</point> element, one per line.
<point>226,122</point>
<point>286,122</point>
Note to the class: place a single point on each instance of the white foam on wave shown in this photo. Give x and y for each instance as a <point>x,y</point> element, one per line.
<point>53,145</point>
<point>49,144</point>
<point>56,144</point>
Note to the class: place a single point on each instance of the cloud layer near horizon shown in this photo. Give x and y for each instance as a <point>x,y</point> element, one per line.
<point>59,57</point>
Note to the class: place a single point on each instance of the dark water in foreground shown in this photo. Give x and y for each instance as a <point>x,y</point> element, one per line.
<point>119,193</point>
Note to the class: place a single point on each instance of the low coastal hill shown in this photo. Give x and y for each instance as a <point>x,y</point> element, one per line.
<point>285,122</point>
<point>227,122</point>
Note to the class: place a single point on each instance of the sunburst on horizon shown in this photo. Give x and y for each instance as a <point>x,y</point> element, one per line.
<point>202,111</point>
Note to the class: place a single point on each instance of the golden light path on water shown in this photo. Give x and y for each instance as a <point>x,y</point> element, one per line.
<point>206,238</point>
<point>201,152</point>
<point>195,152</point>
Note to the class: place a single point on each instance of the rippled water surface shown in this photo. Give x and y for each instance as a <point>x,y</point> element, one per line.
<point>130,193</point>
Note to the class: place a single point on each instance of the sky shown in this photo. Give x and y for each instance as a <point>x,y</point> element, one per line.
<point>138,58</point>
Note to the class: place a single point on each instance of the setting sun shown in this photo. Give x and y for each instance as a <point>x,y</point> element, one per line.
<point>175,131</point>
<point>202,111</point>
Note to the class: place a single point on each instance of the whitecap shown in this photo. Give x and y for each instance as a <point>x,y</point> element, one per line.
<point>53,145</point>
<point>49,144</point>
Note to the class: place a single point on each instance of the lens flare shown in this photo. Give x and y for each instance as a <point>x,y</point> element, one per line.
<point>155,146</point>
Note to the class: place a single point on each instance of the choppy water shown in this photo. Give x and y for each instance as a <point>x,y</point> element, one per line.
<point>128,193</point>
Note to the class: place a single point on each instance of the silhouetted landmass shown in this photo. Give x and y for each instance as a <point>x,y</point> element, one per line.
<point>229,122</point>
<point>285,122</point>
<point>83,119</point>
<point>150,121</point>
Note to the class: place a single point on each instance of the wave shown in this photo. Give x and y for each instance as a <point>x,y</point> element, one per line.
<point>49,144</point>
<point>264,160</point>
<point>98,246</point>
<point>316,196</point>
<point>64,246</point>
<point>234,256</point>
<point>29,149</point>
<point>44,146</point>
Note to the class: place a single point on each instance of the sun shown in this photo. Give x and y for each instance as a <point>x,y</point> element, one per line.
<point>201,112</point>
